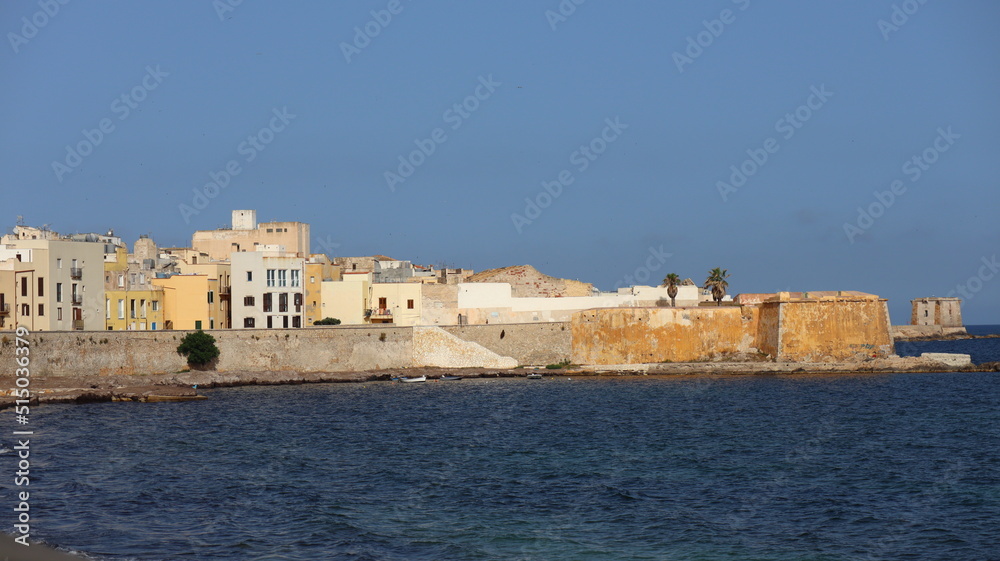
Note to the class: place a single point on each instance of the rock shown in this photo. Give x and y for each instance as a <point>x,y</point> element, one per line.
<point>951,359</point>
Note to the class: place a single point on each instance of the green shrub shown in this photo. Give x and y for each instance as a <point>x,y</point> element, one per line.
<point>199,348</point>
<point>327,321</point>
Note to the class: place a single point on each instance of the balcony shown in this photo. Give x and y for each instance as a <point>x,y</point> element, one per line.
<point>76,299</point>
<point>76,273</point>
<point>226,292</point>
<point>4,309</point>
<point>78,325</point>
<point>379,315</point>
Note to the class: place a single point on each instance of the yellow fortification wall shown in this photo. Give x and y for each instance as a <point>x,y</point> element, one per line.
<point>827,329</point>
<point>638,335</point>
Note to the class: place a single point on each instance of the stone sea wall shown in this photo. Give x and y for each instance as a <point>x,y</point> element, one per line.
<point>317,349</point>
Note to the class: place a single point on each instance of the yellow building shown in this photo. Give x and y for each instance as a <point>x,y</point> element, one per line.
<point>16,309</point>
<point>222,272</point>
<point>346,299</point>
<point>191,302</point>
<point>131,301</point>
<point>398,303</point>
<point>318,269</point>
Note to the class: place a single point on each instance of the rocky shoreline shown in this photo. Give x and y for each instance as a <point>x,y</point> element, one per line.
<point>946,337</point>
<point>185,385</point>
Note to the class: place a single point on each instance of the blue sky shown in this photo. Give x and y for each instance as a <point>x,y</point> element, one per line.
<point>833,105</point>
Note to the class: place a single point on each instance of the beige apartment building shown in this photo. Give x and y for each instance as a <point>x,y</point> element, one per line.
<point>247,235</point>
<point>58,284</point>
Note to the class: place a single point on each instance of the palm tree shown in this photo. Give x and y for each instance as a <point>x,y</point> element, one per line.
<point>717,282</point>
<point>670,281</point>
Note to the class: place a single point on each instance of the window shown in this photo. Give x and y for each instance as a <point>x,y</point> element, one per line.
<point>131,308</point>
<point>312,280</point>
<point>270,277</point>
<point>58,292</point>
<point>296,321</point>
<point>409,304</point>
<point>383,303</point>
<point>267,301</point>
<point>249,276</point>
<point>121,281</point>
<point>41,310</point>
<point>270,230</point>
<point>270,322</point>
<point>74,264</point>
<point>211,323</point>
<point>142,309</point>
<point>283,277</point>
<point>284,322</point>
<point>59,314</point>
<point>156,305</point>
<point>295,277</point>
<point>107,308</point>
<point>59,263</point>
<point>25,310</point>
<point>197,324</point>
<point>211,297</point>
<point>248,300</point>
<point>24,286</point>
<point>298,302</point>
<point>121,308</point>
<point>41,287</point>
<point>248,322</point>
<point>283,302</point>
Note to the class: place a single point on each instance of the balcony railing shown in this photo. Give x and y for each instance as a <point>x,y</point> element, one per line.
<point>379,315</point>
<point>78,325</point>
<point>76,273</point>
<point>76,299</point>
<point>4,309</point>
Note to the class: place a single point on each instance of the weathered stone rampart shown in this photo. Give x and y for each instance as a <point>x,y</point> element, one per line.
<point>644,335</point>
<point>826,329</point>
<point>317,349</point>
<point>529,343</point>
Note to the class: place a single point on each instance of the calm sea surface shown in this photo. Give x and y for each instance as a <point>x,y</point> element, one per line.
<point>765,467</point>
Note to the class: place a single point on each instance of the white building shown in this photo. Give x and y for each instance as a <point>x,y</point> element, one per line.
<point>494,303</point>
<point>267,289</point>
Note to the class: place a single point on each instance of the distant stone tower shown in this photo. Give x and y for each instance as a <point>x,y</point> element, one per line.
<point>946,312</point>
<point>244,220</point>
<point>144,248</point>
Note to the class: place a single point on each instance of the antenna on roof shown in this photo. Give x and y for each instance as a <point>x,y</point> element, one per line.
<point>20,220</point>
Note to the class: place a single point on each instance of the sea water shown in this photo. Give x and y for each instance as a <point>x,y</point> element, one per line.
<point>885,466</point>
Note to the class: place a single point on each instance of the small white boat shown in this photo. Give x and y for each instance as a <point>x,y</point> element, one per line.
<point>416,379</point>
<point>534,376</point>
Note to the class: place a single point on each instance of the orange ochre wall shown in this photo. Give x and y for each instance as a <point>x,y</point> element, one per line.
<point>638,335</point>
<point>826,331</point>
<point>806,331</point>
